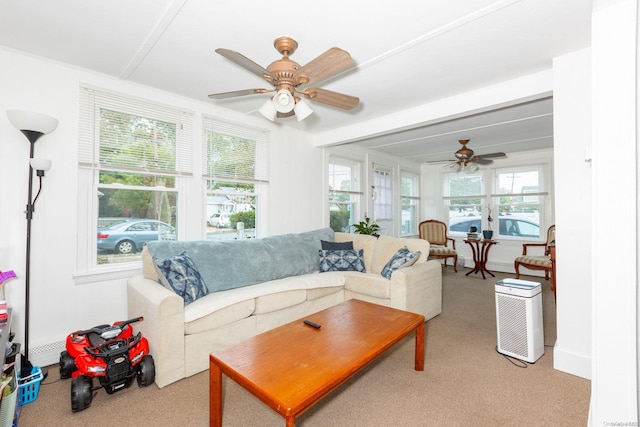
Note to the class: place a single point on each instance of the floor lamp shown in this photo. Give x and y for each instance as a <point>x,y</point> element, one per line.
<point>33,125</point>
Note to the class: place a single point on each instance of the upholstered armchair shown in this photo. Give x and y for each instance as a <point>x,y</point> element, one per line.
<point>536,261</point>
<point>435,232</point>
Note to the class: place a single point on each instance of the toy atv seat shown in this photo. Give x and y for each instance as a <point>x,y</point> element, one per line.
<point>112,353</point>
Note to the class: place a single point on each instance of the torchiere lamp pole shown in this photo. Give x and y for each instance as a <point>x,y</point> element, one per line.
<point>33,125</point>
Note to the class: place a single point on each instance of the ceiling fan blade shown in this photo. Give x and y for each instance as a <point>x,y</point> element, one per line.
<point>335,99</point>
<point>435,162</point>
<point>245,63</point>
<point>481,161</point>
<point>486,156</point>
<point>329,63</point>
<point>233,94</point>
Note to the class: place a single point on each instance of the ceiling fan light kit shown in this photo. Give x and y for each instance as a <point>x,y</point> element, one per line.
<point>288,79</point>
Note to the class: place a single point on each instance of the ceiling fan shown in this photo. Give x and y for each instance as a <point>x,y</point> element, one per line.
<point>467,161</point>
<point>290,80</point>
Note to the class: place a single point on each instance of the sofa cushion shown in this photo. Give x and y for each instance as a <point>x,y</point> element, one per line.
<point>367,284</point>
<point>179,274</point>
<point>217,318</point>
<point>360,241</point>
<point>332,246</point>
<point>214,302</point>
<point>341,260</point>
<point>402,258</point>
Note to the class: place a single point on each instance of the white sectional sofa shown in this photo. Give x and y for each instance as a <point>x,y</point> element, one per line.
<point>259,284</point>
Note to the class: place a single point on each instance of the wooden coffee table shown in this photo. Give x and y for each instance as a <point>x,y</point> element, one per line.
<point>292,367</point>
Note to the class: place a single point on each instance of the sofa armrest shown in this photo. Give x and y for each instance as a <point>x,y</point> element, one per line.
<point>163,326</point>
<point>418,288</point>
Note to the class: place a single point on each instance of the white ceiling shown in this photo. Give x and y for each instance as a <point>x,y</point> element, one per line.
<point>407,53</point>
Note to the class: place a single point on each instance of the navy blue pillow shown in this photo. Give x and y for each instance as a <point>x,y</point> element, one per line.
<point>335,246</point>
<point>341,260</point>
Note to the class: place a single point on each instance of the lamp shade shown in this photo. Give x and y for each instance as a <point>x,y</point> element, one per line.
<point>40,164</point>
<point>302,110</point>
<point>268,110</point>
<point>32,121</point>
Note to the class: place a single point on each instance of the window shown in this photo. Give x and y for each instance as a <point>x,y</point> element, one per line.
<point>517,201</point>
<point>382,194</point>
<point>132,155</point>
<point>410,202</point>
<point>519,198</point>
<point>344,193</point>
<point>236,165</point>
<point>464,199</point>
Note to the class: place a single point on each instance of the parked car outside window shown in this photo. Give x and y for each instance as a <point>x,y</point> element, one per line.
<point>219,220</point>
<point>130,236</point>
<point>508,225</point>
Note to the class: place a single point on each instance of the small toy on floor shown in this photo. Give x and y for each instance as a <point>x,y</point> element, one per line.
<point>113,354</point>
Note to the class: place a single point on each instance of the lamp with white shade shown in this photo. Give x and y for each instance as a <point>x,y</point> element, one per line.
<point>33,125</point>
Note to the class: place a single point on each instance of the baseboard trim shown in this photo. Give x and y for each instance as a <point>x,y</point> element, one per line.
<point>571,363</point>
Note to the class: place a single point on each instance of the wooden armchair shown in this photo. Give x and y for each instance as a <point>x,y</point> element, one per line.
<point>435,232</point>
<point>537,262</point>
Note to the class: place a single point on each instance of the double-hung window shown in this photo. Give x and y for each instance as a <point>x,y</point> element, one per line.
<point>464,199</point>
<point>410,202</point>
<point>382,194</point>
<point>236,175</point>
<point>519,198</point>
<point>132,155</point>
<point>344,193</point>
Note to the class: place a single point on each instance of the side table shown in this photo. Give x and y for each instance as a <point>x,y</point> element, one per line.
<point>480,249</point>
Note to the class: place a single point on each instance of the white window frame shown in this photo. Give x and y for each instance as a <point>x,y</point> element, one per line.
<point>92,99</point>
<point>412,198</point>
<point>260,176</point>
<point>490,198</point>
<point>355,192</point>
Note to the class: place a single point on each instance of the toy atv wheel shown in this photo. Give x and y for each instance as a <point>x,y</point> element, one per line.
<point>81,393</point>
<point>67,365</point>
<point>146,371</point>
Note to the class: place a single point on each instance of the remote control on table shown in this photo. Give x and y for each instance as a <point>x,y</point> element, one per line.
<point>312,324</point>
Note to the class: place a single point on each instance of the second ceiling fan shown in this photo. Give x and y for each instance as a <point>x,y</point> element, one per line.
<point>290,80</point>
<point>466,160</point>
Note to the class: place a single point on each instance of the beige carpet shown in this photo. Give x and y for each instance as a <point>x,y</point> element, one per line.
<point>465,383</point>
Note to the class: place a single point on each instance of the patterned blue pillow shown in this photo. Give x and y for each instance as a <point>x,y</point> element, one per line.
<point>403,258</point>
<point>341,260</point>
<point>180,275</point>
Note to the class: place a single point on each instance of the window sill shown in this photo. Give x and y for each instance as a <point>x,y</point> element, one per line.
<point>107,274</point>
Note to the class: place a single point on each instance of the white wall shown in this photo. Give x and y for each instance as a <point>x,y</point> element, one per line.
<point>60,300</point>
<point>572,143</point>
<point>614,396</point>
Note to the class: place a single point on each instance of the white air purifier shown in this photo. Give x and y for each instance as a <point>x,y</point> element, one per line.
<point>519,319</point>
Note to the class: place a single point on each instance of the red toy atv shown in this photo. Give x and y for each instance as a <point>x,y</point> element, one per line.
<point>110,352</point>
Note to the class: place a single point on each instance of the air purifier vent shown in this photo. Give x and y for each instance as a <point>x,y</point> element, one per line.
<point>512,317</point>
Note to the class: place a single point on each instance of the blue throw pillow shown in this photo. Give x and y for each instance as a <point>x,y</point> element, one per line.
<point>403,258</point>
<point>341,260</point>
<point>334,246</point>
<point>180,275</point>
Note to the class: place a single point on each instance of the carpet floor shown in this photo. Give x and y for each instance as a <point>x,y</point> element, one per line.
<point>465,383</point>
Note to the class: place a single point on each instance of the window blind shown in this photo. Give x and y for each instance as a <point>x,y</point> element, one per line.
<point>234,152</point>
<point>123,133</point>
